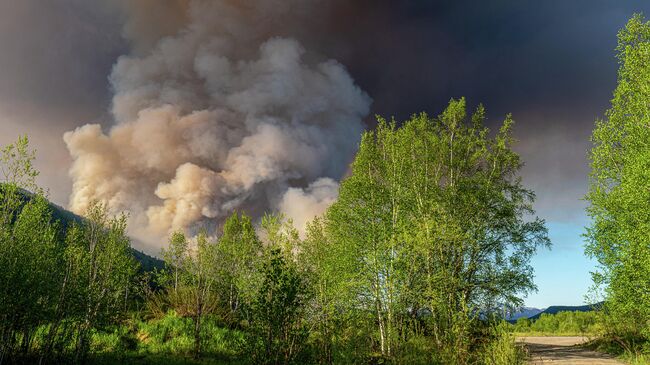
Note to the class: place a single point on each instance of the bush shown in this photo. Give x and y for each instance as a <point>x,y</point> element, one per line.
<point>501,348</point>
<point>416,350</point>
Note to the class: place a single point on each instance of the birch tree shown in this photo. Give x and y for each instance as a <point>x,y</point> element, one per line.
<point>619,190</point>
<point>434,219</point>
<point>190,280</point>
<point>102,269</point>
<point>238,258</point>
<point>30,253</point>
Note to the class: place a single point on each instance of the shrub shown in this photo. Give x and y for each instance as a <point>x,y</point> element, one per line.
<point>501,348</point>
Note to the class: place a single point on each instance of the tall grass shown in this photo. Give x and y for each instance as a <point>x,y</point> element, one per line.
<point>631,349</point>
<point>171,337</point>
<point>636,359</point>
<point>501,349</point>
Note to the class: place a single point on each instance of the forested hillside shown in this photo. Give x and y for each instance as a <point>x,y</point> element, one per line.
<point>66,219</point>
<point>555,309</point>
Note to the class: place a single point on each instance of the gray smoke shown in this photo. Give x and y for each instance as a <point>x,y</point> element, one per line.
<point>218,109</point>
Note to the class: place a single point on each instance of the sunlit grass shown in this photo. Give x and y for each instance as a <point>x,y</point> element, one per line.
<point>170,338</point>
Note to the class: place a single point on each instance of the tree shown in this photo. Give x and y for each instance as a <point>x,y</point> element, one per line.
<point>619,188</point>
<point>175,256</point>
<point>434,222</point>
<point>238,254</point>
<point>325,276</point>
<point>278,311</point>
<point>65,283</point>
<point>101,269</point>
<point>190,286</point>
<point>30,253</point>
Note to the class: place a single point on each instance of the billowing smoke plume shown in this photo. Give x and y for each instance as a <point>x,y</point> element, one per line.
<point>302,205</point>
<point>226,113</point>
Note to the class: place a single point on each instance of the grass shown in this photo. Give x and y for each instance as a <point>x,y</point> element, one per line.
<point>168,340</point>
<point>131,358</point>
<point>640,355</point>
<point>635,359</point>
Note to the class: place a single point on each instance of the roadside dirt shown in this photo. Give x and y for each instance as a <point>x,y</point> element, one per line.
<point>563,351</point>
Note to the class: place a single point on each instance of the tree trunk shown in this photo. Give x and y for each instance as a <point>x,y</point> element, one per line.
<point>82,343</point>
<point>380,320</point>
<point>197,328</point>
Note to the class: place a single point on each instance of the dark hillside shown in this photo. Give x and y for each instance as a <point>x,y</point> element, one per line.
<point>66,218</point>
<point>523,312</point>
<point>147,263</point>
<point>564,308</point>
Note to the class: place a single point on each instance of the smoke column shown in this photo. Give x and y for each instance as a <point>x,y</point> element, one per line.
<point>218,108</point>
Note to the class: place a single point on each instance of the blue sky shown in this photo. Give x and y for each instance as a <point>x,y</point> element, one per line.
<point>562,273</point>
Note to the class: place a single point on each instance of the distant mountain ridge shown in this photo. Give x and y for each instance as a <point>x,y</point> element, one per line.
<point>566,308</point>
<point>533,313</point>
<point>524,312</point>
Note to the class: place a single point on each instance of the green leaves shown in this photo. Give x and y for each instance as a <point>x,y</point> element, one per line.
<point>98,274</point>
<point>432,227</point>
<point>278,311</point>
<point>30,252</point>
<point>63,284</point>
<point>434,217</point>
<point>619,191</point>
<point>16,165</point>
<point>238,256</point>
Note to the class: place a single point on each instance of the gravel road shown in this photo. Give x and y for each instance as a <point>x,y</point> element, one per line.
<point>563,351</point>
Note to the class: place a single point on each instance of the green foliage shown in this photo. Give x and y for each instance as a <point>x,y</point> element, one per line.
<point>30,254</point>
<point>243,283</point>
<point>561,323</point>
<point>328,307</point>
<point>100,270</point>
<point>278,329</point>
<point>30,257</point>
<point>634,351</point>
<point>417,350</point>
<point>167,340</point>
<point>619,192</point>
<point>174,335</point>
<point>430,227</point>
<point>16,165</point>
<point>190,282</point>
<point>636,359</point>
<point>238,251</point>
<point>54,290</point>
<point>501,349</point>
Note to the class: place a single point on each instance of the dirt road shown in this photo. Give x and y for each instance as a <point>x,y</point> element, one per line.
<point>563,350</point>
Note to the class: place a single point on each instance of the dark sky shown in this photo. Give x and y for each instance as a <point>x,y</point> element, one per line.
<point>550,63</point>
<point>511,55</point>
